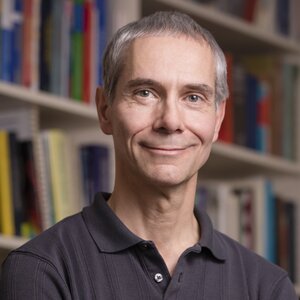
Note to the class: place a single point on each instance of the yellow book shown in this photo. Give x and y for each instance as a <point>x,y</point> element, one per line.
<point>59,160</point>
<point>6,201</point>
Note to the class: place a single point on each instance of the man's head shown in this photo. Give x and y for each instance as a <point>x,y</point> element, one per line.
<point>160,101</point>
<point>159,24</point>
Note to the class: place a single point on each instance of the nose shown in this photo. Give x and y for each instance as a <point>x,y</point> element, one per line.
<point>169,117</point>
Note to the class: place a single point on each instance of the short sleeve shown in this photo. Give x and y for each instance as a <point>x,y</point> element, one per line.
<point>27,276</point>
<point>284,290</point>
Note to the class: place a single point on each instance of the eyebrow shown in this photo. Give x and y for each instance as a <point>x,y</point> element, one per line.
<point>197,87</point>
<point>142,81</point>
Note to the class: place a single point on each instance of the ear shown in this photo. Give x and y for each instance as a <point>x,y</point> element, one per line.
<point>220,113</point>
<point>104,111</point>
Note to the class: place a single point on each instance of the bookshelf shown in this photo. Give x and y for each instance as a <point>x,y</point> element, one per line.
<point>80,120</point>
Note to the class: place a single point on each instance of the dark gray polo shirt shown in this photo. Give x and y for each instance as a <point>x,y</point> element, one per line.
<point>92,255</point>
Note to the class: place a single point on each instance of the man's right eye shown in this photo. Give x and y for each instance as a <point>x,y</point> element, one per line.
<point>144,93</point>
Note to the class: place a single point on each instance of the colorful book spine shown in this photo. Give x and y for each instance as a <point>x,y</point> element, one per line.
<point>30,190</point>
<point>17,181</point>
<point>226,133</point>
<point>45,62</point>
<point>87,44</point>
<point>27,64</point>
<point>17,41</point>
<point>58,176</point>
<point>95,170</point>
<point>56,46</point>
<point>7,226</point>
<point>6,58</point>
<point>65,48</point>
<point>102,25</point>
<point>77,51</point>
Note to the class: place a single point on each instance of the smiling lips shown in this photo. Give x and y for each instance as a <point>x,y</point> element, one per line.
<point>167,150</point>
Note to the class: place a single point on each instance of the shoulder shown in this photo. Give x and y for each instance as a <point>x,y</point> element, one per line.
<point>261,277</point>
<point>42,265</point>
<point>56,245</point>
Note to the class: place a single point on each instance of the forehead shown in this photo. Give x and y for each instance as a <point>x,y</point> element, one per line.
<point>169,58</point>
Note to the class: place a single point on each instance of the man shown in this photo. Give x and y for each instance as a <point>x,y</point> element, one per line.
<point>163,102</point>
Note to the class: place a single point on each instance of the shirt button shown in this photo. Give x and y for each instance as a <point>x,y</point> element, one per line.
<point>158,277</point>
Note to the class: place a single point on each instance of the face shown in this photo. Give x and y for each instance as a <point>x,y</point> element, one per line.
<point>163,117</point>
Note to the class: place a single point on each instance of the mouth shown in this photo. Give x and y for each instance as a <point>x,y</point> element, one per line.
<point>165,149</point>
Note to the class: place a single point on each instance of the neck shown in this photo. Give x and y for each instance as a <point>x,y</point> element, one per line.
<point>162,215</point>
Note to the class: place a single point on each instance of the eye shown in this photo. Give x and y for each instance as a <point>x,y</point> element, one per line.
<point>144,93</point>
<point>194,98</point>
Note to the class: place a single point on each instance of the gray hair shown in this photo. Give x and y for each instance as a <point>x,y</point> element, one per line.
<point>158,24</point>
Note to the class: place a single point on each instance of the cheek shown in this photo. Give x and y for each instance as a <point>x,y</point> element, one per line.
<point>203,126</point>
<point>129,123</point>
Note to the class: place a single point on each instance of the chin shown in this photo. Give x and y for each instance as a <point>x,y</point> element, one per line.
<point>168,179</point>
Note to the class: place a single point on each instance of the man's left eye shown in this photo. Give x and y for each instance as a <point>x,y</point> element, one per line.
<point>194,98</point>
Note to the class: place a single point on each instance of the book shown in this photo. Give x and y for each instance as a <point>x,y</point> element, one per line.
<point>243,209</point>
<point>226,133</point>
<point>282,23</point>
<point>56,39</point>
<point>294,20</point>
<point>286,242</point>
<point>249,10</point>
<point>7,226</point>
<point>27,68</point>
<point>65,42</point>
<point>17,181</point>
<point>289,76</point>
<point>222,205</point>
<point>102,39</point>
<point>46,32</point>
<point>24,123</point>
<point>252,86</point>
<point>76,84</point>
<point>6,58</point>
<point>88,7</point>
<point>95,170</point>
<point>57,155</point>
<point>239,99</point>
<point>265,15</point>
<point>17,32</point>
<point>30,189</point>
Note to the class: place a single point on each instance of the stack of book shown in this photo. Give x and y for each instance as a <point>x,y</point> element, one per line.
<point>278,16</point>
<point>53,45</point>
<point>44,176</point>
<point>250,212</point>
<point>261,106</point>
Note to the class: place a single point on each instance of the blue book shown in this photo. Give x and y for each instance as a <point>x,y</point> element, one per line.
<point>251,110</point>
<point>283,17</point>
<point>102,24</point>
<point>95,170</point>
<point>262,128</point>
<point>17,35</point>
<point>6,58</point>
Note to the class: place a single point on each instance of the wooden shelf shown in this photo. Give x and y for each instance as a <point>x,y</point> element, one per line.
<point>231,161</point>
<point>240,35</point>
<point>17,96</point>
<point>54,110</point>
<point>11,242</point>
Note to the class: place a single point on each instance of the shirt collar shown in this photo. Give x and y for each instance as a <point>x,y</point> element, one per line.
<point>210,238</point>
<point>107,230</point>
<point>114,236</point>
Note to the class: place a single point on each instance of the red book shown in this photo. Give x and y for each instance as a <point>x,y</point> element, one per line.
<point>249,11</point>
<point>87,58</point>
<point>226,133</point>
